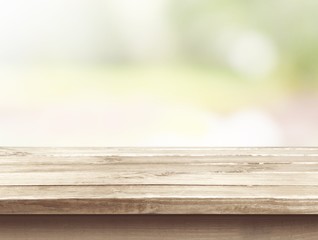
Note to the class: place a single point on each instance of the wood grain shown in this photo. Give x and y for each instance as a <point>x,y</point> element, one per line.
<point>167,227</point>
<point>158,180</point>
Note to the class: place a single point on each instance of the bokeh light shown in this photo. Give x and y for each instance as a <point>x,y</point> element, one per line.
<point>158,73</point>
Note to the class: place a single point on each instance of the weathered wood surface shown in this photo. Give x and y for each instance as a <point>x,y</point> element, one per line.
<point>158,227</point>
<point>158,180</point>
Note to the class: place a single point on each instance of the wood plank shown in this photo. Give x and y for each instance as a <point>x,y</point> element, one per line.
<point>152,177</point>
<point>192,160</point>
<point>156,191</point>
<point>158,151</point>
<point>265,168</point>
<point>168,227</point>
<point>158,199</point>
<point>158,180</point>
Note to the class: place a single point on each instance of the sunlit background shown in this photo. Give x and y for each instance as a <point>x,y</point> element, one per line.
<point>158,73</point>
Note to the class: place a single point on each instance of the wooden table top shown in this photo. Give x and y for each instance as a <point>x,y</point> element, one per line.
<point>158,180</point>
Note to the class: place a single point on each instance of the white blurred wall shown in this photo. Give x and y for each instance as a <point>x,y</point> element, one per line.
<point>81,30</point>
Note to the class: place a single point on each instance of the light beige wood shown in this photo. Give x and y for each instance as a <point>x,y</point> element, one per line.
<point>167,227</point>
<point>159,151</point>
<point>158,180</point>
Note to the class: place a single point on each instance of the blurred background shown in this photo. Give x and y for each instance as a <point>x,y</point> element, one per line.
<point>158,73</point>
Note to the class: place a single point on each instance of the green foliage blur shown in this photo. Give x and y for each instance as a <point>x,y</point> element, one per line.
<point>290,25</point>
